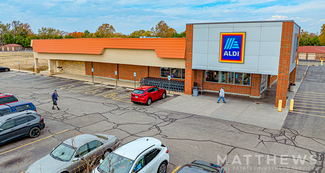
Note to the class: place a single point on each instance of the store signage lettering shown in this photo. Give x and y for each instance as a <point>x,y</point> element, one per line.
<point>232,47</point>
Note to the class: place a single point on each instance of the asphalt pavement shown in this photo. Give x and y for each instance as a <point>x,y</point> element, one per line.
<point>97,108</point>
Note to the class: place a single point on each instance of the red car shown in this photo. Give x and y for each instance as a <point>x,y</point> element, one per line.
<point>147,94</point>
<point>7,98</point>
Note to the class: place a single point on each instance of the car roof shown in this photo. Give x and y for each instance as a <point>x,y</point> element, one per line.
<point>79,140</point>
<point>5,94</point>
<point>144,87</point>
<point>15,114</point>
<point>18,103</point>
<point>134,148</point>
<point>4,107</point>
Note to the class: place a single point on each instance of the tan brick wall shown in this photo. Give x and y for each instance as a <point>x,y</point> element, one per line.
<point>71,67</point>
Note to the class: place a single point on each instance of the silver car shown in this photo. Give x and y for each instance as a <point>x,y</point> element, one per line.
<point>75,154</point>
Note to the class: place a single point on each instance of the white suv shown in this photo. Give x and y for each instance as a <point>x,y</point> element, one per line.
<point>144,155</point>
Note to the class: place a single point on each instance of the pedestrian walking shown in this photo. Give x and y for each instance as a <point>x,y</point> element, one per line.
<point>221,95</point>
<point>55,97</point>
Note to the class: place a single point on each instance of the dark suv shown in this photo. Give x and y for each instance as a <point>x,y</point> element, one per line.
<point>20,124</point>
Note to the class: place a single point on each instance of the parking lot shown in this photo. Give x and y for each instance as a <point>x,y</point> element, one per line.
<point>97,108</point>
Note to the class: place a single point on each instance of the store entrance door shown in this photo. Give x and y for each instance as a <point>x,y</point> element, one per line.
<point>263,82</point>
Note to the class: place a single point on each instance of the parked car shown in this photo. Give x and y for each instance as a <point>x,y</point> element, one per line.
<point>16,107</point>
<point>5,69</point>
<point>20,124</point>
<point>7,98</point>
<point>198,166</point>
<point>147,94</point>
<point>142,155</point>
<point>74,154</point>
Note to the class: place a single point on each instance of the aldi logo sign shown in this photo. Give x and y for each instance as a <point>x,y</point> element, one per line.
<point>232,47</point>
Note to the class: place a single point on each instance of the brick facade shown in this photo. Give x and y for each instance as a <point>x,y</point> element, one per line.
<point>271,80</point>
<point>189,74</point>
<point>320,56</point>
<point>284,63</point>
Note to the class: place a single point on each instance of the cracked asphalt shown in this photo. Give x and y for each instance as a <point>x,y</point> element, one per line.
<point>96,108</point>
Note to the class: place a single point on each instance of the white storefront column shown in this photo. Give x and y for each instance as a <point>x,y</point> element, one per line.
<point>51,67</point>
<point>36,65</point>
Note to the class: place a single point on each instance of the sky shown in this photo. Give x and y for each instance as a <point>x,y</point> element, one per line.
<point>127,16</point>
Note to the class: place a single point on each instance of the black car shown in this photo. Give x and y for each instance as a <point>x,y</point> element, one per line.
<point>5,69</point>
<point>20,124</point>
<point>198,166</point>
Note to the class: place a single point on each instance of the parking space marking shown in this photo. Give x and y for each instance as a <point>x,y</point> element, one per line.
<point>50,83</point>
<point>302,101</point>
<point>309,96</point>
<point>176,169</point>
<point>308,92</point>
<point>33,142</point>
<point>309,107</point>
<point>309,110</point>
<point>309,99</point>
<point>307,104</point>
<point>298,112</point>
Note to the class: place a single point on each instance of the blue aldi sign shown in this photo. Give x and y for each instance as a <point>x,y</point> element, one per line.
<point>232,47</point>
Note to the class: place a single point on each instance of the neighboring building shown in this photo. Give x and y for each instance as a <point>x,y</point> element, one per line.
<point>11,47</point>
<point>243,57</point>
<point>312,53</point>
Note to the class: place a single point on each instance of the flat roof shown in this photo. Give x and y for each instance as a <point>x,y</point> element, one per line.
<point>262,21</point>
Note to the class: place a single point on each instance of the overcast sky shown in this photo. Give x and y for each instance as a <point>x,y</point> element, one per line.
<point>129,15</point>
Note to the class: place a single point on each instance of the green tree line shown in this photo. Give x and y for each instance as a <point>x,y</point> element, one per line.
<point>21,33</point>
<point>312,39</point>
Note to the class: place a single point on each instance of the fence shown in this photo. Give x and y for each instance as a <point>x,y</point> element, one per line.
<point>172,85</point>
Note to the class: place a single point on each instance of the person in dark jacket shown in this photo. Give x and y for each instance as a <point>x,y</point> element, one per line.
<point>55,97</point>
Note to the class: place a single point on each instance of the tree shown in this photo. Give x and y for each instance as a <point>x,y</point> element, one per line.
<point>50,33</point>
<point>163,30</point>
<point>137,34</point>
<point>86,33</point>
<point>181,35</point>
<point>105,30</point>
<point>322,35</point>
<point>4,29</point>
<point>20,40</point>
<point>8,38</point>
<point>77,34</point>
<point>27,42</point>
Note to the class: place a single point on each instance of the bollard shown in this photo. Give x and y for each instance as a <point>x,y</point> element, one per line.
<point>297,61</point>
<point>291,105</point>
<point>280,106</point>
<point>321,62</point>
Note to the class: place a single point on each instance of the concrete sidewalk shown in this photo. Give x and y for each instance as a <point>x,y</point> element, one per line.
<point>242,109</point>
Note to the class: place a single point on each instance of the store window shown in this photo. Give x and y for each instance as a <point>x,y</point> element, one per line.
<point>212,76</point>
<point>176,73</point>
<point>247,79</point>
<point>239,78</point>
<point>228,77</point>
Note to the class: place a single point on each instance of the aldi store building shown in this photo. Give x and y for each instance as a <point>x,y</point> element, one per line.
<point>243,57</point>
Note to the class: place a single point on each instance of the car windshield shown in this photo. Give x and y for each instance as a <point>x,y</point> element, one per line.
<point>8,99</point>
<point>115,163</point>
<point>4,111</point>
<point>63,152</point>
<point>138,91</point>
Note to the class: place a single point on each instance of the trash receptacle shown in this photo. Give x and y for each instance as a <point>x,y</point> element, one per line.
<point>292,87</point>
<point>195,91</point>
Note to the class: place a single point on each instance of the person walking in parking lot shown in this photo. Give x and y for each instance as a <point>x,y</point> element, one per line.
<point>55,99</point>
<point>222,95</point>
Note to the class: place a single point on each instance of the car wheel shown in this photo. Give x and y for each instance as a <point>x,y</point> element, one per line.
<point>6,70</point>
<point>162,168</point>
<point>34,132</point>
<point>149,101</point>
<point>163,95</point>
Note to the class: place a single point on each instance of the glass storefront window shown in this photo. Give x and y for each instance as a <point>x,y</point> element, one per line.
<point>239,78</point>
<point>247,79</point>
<point>228,77</point>
<point>177,73</point>
<point>212,76</point>
<point>164,72</point>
